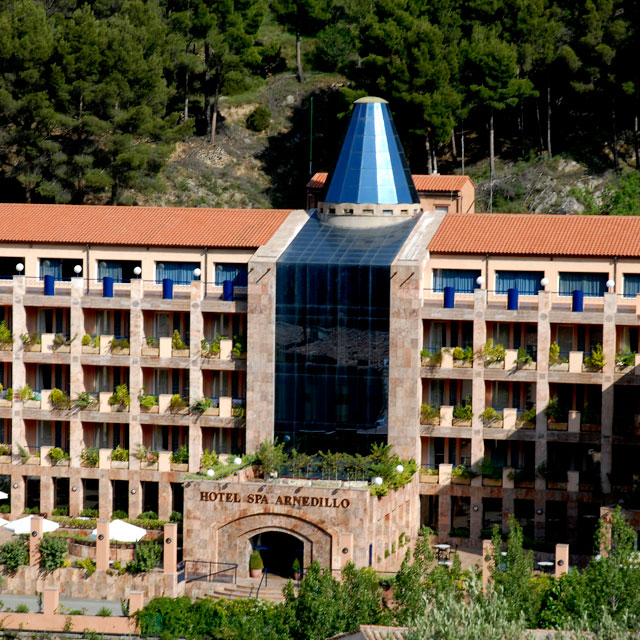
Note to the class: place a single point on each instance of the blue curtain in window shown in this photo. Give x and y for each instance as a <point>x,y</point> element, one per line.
<point>631,285</point>
<point>237,273</point>
<point>110,269</point>
<point>179,272</point>
<point>594,285</point>
<point>462,280</point>
<point>51,267</point>
<point>526,282</point>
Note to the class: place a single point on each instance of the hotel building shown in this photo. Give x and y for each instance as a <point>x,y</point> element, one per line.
<point>338,324</point>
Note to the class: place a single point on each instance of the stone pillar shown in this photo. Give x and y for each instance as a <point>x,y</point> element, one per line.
<point>606,430</point>
<point>136,332</point>
<point>102,545</point>
<point>164,500</point>
<point>196,334</point>
<point>539,518</point>
<point>17,494</point>
<point>487,563</point>
<point>76,441</point>
<point>135,497</point>
<point>170,561</point>
<point>18,375</point>
<point>478,386</point>
<point>76,498</point>
<point>34,541</point>
<point>542,398</point>
<point>475,519</point>
<point>50,600</point>
<point>562,559</point>
<point>105,497</point>
<point>46,494</point>
<point>136,601</point>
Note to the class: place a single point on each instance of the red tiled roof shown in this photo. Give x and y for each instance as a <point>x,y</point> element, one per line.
<point>139,226</point>
<point>422,182</point>
<point>538,234</point>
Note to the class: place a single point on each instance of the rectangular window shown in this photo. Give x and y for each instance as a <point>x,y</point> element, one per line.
<point>527,283</point>
<point>179,272</point>
<point>236,272</point>
<point>460,516</point>
<point>593,285</point>
<point>462,280</point>
<point>119,270</point>
<point>631,285</point>
<point>442,208</point>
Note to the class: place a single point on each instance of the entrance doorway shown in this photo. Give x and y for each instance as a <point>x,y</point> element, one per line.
<point>278,551</point>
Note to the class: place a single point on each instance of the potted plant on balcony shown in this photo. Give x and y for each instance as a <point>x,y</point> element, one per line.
<point>208,460</point>
<point>491,473</point>
<point>59,399</point>
<point>429,414</point>
<point>151,347</point>
<point>178,404</point>
<point>493,355</point>
<point>462,358</point>
<point>90,457</point>
<point>86,402</point>
<point>120,346</point>
<point>527,420</point>
<point>6,337</point>
<point>596,361</point>
<point>148,458</point>
<point>524,359</point>
<point>210,348</point>
<point>5,453</point>
<point>90,344</point>
<point>239,349</point>
<point>297,569</point>
<point>120,458</point>
<point>461,474</point>
<point>31,341</point>
<point>430,358</point>
<point>462,415</point>
<point>590,418</point>
<point>30,398</point>
<point>556,415</point>
<point>625,360</point>
<point>179,459</point>
<point>148,402</point>
<point>523,478</point>
<point>6,397</point>
<point>62,343</point>
<point>491,418</point>
<point>179,349</point>
<point>556,363</point>
<point>256,565</point>
<point>428,475</point>
<point>58,457</point>
<point>120,399</point>
<point>238,408</point>
<point>200,407</point>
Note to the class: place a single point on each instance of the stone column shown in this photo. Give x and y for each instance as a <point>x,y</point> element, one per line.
<point>562,559</point>
<point>478,385</point>
<point>50,600</point>
<point>135,497</point>
<point>34,541</point>
<point>102,545</point>
<point>164,500</point>
<point>136,601</point>
<point>195,373</point>
<point>76,374</point>
<point>606,430</point>
<point>19,326</point>
<point>170,558</point>
<point>46,494</point>
<point>136,330</point>
<point>542,397</point>
<point>76,498</point>
<point>17,494</point>
<point>105,496</point>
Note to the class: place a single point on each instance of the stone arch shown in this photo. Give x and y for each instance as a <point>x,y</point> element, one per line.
<point>233,538</point>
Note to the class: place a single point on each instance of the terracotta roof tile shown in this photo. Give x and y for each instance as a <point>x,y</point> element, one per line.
<point>139,226</point>
<point>538,234</point>
<point>422,182</point>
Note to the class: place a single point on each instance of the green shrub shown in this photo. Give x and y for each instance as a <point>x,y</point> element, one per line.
<point>523,356</point>
<point>14,554</point>
<point>120,455</point>
<point>200,406</point>
<point>147,400</point>
<point>465,354</point>
<point>465,412</point>
<point>90,456</point>
<point>147,557</point>
<point>433,358</point>
<point>148,515</point>
<point>181,456</point>
<point>209,459</point>
<point>58,455</point>
<point>104,612</point>
<point>255,561</point>
<point>120,397</point>
<point>120,343</point>
<point>84,400</point>
<point>52,552</point>
<point>5,508</point>
<point>60,511</point>
<point>89,513</point>
<point>145,454</point>
<point>118,514</point>
<point>529,415</point>
<point>6,337</point>
<point>489,469</point>
<point>554,411</point>
<point>5,449</point>
<point>596,361</point>
<point>177,403</point>
<point>23,608</point>
<point>175,516</point>
<point>554,354</point>
<point>27,393</point>
<point>427,412</point>
<point>176,341</point>
<point>259,119</point>
<point>625,358</point>
<point>493,353</point>
<point>87,564</point>
<point>32,510</point>
<point>491,415</point>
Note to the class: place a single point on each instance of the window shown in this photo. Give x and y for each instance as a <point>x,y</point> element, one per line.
<point>163,325</point>
<point>179,272</point>
<point>593,285</point>
<point>442,208</point>
<point>526,282</point>
<point>462,280</point>
<point>60,269</point>
<point>119,270</point>
<point>236,272</point>
<point>631,285</point>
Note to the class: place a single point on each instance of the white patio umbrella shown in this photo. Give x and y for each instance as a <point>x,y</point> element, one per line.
<point>122,531</point>
<point>3,495</point>
<point>23,525</point>
<point>3,522</point>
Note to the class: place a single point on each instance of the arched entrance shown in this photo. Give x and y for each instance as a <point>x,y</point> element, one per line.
<point>278,551</point>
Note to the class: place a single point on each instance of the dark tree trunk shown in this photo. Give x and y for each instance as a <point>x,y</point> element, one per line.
<point>299,57</point>
<point>636,142</point>
<point>492,160</point>
<point>540,142</point>
<point>427,146</point>
<point>186,94</point>
<point>614,137</point>
<point>214,116</point>
<point>462,145</point>
<point>454,150</point>
<point>549,121</point>
<point>207,81</point>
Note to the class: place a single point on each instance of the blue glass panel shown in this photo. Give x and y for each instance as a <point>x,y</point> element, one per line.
<point>631,285</point>
<point>526,282</point>
<point>371,156</point>
<point>110,269</point>
<point>332,333</point>
<point>51,267</point>
<point>593,285</point>
<point>462,280</point>
<point>179,272</point>
<point>236,272</point>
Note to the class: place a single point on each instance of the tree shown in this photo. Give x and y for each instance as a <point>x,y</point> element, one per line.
<point>301,17</point>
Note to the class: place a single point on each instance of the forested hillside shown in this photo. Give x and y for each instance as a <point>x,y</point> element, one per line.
<point>207,102</point>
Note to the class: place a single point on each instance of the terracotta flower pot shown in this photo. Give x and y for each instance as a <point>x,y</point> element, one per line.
<point>255,573</point>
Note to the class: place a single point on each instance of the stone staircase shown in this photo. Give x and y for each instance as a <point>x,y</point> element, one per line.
<point>244,589</point>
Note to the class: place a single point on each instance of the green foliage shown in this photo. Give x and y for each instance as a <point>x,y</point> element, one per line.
<point>118,514</point>
<point>427,412</point>
<point>211,347</point>
<point>200,406</point>
<point>148,515</point>
<point>209,459</point>
<point>57,455</point>
<point>463,412</point>
<point>523,356</point>
<point>529,415</point>
<point>60,511</point>
<point>432,358</point>
<point>147,556</point>
<point>176,516</point>
<point>259,119</point>
<point>255,561</point>
<point>52,552</point>
<point>84,400</point>
<point>596,361</point>
<point>88,341</point>
<point>493,353</point>
<point>555,411</point>
<point>623,198</point>
<point>59,399</point>
<point>625,358</point>
<point>14,554</point>
<point>491,415</point>
<point>465,355</point>
<point>176,341</point>
<point>89,513</point>
<point>271,456</point>
<point>5,449</point>
<point>120,455</point>
<point>27,393</point>
<point>181,456</point>
<point>462,471</point>
<point>30,339</point>
<point>177,403</point>
<point>87,564</point>
<point>145,454</point>
<point>6,336</point>
<point>104,612</point>
<point>489,469</point>
<point>147,400</point>
<point>554,354</point>
<point>120,397</point>
<point>119,343</point>
<point>23,608</point>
